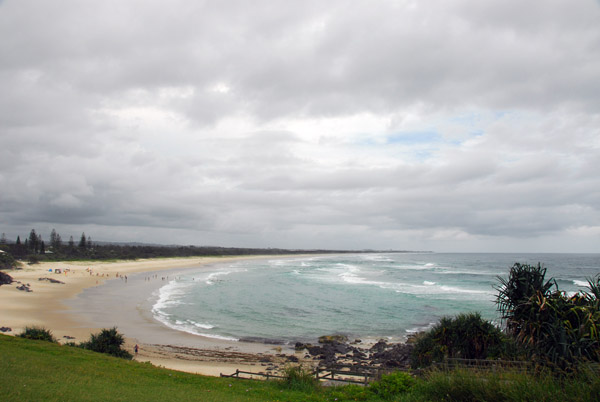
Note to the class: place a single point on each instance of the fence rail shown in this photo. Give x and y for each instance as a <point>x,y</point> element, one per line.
<point>251,374</point>
<point>337,373</point>
<point>490,365</point>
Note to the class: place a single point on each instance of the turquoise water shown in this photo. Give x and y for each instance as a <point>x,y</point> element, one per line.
<point>360,295</point>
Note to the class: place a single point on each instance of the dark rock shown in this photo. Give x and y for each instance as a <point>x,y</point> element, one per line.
<point>265,360</point>
<point>293,359</point>
<point>5,329</point>
<point>379,346</point>
<point>5,279</point>
<point>341,348</point>
<point>333,338</point>
<point>24,288</point>
<point>51,280</point>
<point>358,354</point>
<point>397,355</point>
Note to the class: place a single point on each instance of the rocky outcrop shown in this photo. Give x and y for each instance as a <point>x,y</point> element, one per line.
<point>5,279</point>
<point>383,354</point>
<point>396,355</point>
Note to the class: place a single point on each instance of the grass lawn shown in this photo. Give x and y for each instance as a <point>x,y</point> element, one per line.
<point>41,371</point>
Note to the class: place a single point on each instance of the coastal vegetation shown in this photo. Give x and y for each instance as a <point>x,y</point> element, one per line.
<point>34,249</point>
<point>37,370</point>
<point>555,329</point>
<point>466,336</point>
<point>543,325</point>
<point>38,334</point>
<point>107,341</point>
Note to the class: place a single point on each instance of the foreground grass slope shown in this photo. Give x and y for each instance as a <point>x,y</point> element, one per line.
<point>37,370</point>
<point>41,371</point>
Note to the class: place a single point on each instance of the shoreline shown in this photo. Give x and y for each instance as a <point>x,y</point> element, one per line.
<point>50,305</point>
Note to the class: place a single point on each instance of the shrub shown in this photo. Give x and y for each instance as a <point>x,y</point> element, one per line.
<point>107,341</point>
<point>7,261</point>
<point>466,336</point>
<point>392,385</point>
<point>38,333</point>
<point>299,378</point>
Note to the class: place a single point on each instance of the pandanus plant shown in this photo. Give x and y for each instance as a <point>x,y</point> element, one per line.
<point>556,328</point>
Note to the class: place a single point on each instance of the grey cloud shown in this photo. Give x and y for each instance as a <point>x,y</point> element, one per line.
<point>137,119</point>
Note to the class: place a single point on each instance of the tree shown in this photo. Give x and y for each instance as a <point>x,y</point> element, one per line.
<point>523,283</point>
<point>55,240</point>
<point>42,247</point>
<point>3,239</point>
<point>71,242</point>
<point>556,329</point>
<point>18,243</point>
<point>82,241</point>
<point>33,241</point>
<point>89,242</point>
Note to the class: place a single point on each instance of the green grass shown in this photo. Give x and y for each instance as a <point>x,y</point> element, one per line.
<point>470,385</point>
<point>37,370</point>
<point>33,370</point>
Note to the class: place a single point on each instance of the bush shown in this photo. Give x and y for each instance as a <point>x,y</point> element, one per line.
<point>7,261</point>
<point>107,341</point>
<point>38,333</point>
<point>392,385</point>
<point>299,378</point>
<point>466,336</point>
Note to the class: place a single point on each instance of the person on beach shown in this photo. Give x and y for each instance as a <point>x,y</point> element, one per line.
<point>135,349</point>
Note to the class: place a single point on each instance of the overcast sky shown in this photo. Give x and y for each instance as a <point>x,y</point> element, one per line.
<point>426,125</point>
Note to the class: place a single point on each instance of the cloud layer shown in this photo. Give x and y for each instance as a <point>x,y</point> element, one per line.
<point>452,125</point>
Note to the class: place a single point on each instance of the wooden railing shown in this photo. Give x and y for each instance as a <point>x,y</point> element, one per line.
<point>488,365</point>
<point>252,375</point>
<point>347,373</point>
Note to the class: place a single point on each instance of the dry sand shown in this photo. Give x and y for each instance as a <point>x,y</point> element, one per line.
<point>47,306</point>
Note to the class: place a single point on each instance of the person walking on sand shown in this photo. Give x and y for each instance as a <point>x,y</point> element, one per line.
<point>135,349</point>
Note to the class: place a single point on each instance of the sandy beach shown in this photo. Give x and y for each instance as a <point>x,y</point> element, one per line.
<point>50,305</point>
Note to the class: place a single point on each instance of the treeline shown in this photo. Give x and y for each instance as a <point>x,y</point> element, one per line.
<point>34,249</point>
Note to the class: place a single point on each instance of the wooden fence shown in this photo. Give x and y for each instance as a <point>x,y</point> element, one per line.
<point>487,365</point>
<point>248,375</point>
<point>347,373</point>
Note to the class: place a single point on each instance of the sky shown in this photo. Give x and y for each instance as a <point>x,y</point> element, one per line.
<point>443,125</point>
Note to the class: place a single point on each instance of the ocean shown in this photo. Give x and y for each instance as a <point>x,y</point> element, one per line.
<point>366,296</point>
